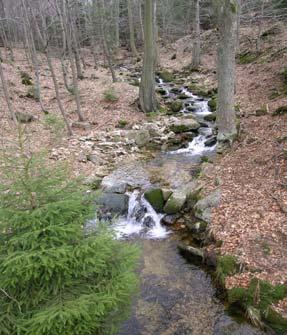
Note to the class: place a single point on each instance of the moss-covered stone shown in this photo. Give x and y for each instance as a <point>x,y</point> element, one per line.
<point>166,76</point>
<point>175,106</point>
<point>185,125</point>
<point>175,202</point>
<point>212,103</point>
<point>155,198</point>
<point>199,90</point>
<point>210,117</point>
<point>280,110</point>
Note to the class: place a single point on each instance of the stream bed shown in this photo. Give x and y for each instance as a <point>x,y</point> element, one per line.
<point>176,297</point>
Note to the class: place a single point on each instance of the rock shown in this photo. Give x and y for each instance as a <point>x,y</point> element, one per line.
<point>261,111</point>
<point>212,103</point>
<point>24,117</point>
<point>191,252</point>
<point>112,185</point>
<point>113,202</point>
<point>93,182</point>
<point>210,117</point>
<point>161,91</point>
<point>141,137</point>
<point>191,108</point>
<point>170,219</point>
<point>175,90</point>
<point>94,159</point>
<point>197,227</point>
<point>227,326</point>
<point>82,158</point>
<point>81,125</point>
<point>184,125</point>
<point>175,106</point>
<point>175,202</point>
<point>202,208</point>
<point>183,96</point>
<point>211,141</point>
<point>148,222</point>
<point>155,198</point>
<point>166,194</point>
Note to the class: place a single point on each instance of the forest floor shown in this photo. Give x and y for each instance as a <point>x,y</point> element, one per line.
<point>251,220</point>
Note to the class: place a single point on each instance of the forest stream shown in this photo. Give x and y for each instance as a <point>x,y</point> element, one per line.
<point>176,297</point>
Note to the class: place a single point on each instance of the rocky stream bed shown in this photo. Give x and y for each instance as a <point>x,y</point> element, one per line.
<point>156,200</point>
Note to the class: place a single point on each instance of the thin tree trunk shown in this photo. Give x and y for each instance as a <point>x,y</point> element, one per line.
<point>148,101</point>
<point>258,41</point>
<point>226,118</point>
<point>196,35</point>
<point>117,25</point>
<point>6,94</point>
<point>132,29</point>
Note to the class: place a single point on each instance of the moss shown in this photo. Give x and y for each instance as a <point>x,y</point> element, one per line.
<point>175,106</point>
<point>210,117</point>
<point>199,90</point>
<point>280,111</point>
<point>161,91</point>
<point>212,103</point>
<point>261,111</point>
<point>155,198</point>
<point>226,265</point>
<point>122,123</point>
<point>166,76</point>
<point>247,57</point>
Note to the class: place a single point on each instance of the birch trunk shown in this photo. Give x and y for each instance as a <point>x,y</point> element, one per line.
<point>148,101</point>
<point>226,118</point>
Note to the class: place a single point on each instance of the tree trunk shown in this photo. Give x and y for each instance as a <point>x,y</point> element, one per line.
<point>226,118</point>
<point>196,35</point>
<point>132,29</point>
<point>148,101</point>
<point>6,93</point>
<point>2,16</point>
<point>117,23</point>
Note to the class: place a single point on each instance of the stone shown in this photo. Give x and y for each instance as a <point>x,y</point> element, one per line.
<point>148,222</point>
<point>113,185</point>
<point>94,182</point>
<point>203,207</point>
<point>193,190</point>
<point>227,326</point>
<point>184,125</point>
<point>170,219</point>
<point>166,76</point>
<point>24,117</point>
<point>175,106</point>
<point>166,194</point>
<point>210,117</point>
<point>94,158</point>
<point>141,137</point>
<point>211,141</point>
<point>155,198</point>
<point>212,103</point>
<point>113,202</point>
<point>175,202</point>
<point>197,227</point>
<point>191,252</point>
<point>81,125</point>
<point>261,111</point>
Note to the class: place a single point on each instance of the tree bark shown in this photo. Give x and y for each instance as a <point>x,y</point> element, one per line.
<point>148,101</point>
<point>132,29</point>
<point>196,35</point>
<point>226,118</point>
<point>2,16</point>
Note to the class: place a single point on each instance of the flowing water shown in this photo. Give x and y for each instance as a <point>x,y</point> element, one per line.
<point>176,298</point>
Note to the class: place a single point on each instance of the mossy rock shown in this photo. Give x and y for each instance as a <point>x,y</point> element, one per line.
<point>212,103</point>
<point>122,124</point>
<point>280,111</point>
<point>210,117</point>
<point>166,76</point>
<point>161,91</point>
<point>175,202</point>
<point>175,106</point>
<point>155,198</point>
<point>199,90</point>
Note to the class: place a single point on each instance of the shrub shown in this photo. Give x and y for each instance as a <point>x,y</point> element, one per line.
<point>55,279</point>
<point>26,79</point>
<point>111,95</point>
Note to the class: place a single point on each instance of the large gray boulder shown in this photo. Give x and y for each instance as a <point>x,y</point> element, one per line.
<point>184,125</point>
<point>175,202</point>
<point>114,203</point>
<point>113,185</point>
<point>203,207</point>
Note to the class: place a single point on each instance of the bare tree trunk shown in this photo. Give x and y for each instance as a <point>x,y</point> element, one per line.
<point>260,18</point>
<point>238,26</point>
<point>148,101</point>
<point>196,35</point>
<point>107,51</point>
<point>132,29</point>
<point>6,94</point>
<point>2,16</point>
<point>117,26</point>
<point>226,118</point>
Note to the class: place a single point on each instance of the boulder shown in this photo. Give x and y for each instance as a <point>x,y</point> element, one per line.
<point>113,202</point>
<point>141,137</point>
<point>170,219</point>
<point>113,185</point>
<point>175,202</point>
<point>155,198</point>
<point>195,254</point>
<point>94,182</point>
<point>203,207</point>
<point>211,141</point>
<point>175,106</point>
<point>166,194</point>
<point>148,222</point>
<point>184,125</point>
<point>166,76</point>
<point>210,117</point>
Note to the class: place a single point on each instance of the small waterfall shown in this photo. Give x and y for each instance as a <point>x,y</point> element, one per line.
<point>141,220</point>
